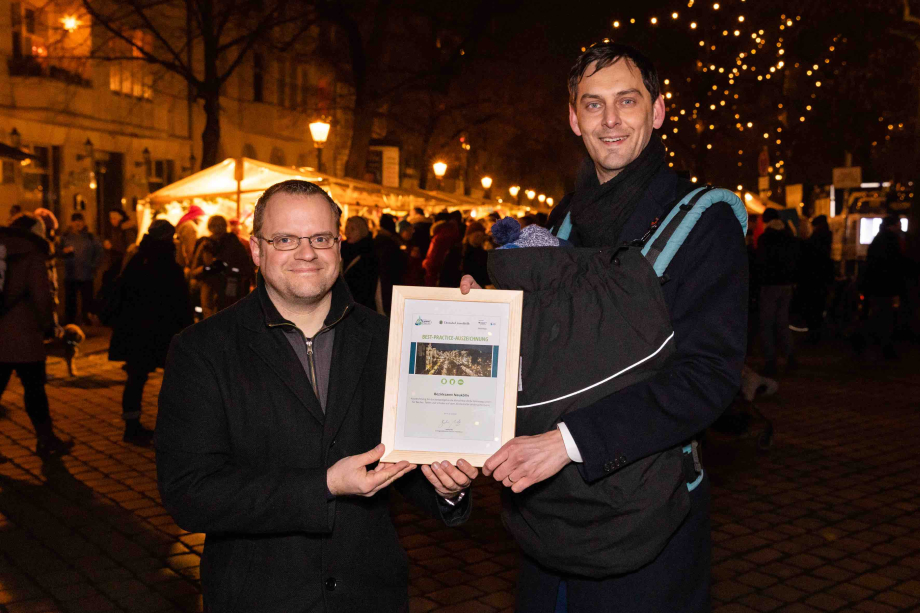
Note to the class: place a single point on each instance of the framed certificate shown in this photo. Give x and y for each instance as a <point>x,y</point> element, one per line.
<point>452,374</point>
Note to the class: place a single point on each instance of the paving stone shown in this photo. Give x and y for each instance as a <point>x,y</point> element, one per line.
<point>830,515</point>
<point>455,594</point>
<point>873,581</point>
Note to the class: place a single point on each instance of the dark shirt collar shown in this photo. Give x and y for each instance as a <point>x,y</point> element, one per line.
<point>342,304</point>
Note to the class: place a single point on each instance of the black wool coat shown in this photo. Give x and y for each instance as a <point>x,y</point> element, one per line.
<point>148,306</point>
<point>242,451</point>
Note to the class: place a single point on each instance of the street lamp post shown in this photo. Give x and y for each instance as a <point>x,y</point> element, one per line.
<point>487,186</point>
<point>440,169</point>
<point>514,190</point>
<point>319,132</point>
<point>531,195</point>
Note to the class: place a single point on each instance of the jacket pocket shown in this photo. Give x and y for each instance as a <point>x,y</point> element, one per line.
<point>226,567</point>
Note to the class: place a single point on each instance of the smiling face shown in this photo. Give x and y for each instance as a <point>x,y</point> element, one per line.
<point>303,276</point>
<point>614,115</point>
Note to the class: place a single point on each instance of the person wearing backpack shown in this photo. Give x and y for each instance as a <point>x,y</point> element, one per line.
<point>26,315</point>
<point>610,501</point>
<point>222,268</point>
<point>777,263</point>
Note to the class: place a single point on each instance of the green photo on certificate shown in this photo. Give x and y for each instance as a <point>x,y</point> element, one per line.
<point>452,374</point>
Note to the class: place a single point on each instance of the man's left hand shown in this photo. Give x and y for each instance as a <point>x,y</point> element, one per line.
<point>449,480</point>
<point>525,460</point>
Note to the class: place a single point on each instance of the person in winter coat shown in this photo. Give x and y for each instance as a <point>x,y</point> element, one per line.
<point>816,274</point>
<point>414,273</point>
<point>445,234</point>
<point>122,236</point>
<point>82,253</point>
<point>391,258</point>
<point>359,263</point>
<point>150,306</point>
<point>777,261</point>
<point>885,278</point>
<point>26,316</point>
<point>222,268</point>
<point>269,426</point>
<point>187,236</point>
<point>657,533</point>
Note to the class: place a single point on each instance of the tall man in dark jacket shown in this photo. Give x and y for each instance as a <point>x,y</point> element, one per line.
<point>777,262</point>
<point>270,414</point>
<point>615,106</point>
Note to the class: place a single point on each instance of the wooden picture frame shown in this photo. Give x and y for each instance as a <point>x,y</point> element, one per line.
<point>454,311</point>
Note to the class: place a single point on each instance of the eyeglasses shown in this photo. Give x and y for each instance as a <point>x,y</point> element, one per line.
<point>286,242</point>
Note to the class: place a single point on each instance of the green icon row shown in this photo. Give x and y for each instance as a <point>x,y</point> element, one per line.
<point>445,381</point>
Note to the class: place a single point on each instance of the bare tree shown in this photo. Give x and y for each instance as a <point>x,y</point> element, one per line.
<point>203,42</point>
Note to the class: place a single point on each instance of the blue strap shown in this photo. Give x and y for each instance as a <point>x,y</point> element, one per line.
<point>688,449</point>
<point>566,228</point>
<point>689,221</point>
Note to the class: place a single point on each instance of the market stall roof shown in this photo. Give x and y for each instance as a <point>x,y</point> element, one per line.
<point>14,153</point>
<point>245,179</point>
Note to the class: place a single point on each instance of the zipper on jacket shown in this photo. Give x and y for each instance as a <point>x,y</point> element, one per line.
<point>311,361</point>
<point>312,364</point>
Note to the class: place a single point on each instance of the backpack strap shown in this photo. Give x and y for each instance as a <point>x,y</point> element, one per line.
<point>673,231</point>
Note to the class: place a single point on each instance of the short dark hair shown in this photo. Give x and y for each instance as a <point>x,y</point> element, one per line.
<point>293,187</point>
<point>770,214</point>
<point>609,53</point>
<point>388,223</point>
<point>76,217</point>
<point>891,220</point>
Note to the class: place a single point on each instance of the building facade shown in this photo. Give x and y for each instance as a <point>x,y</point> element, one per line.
<point>105,133</point>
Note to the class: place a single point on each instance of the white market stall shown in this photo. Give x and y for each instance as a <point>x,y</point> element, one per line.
<point>232,187</point>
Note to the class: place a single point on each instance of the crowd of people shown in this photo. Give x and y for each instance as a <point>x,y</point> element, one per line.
<point>796,287</point>
<point>146,291</point>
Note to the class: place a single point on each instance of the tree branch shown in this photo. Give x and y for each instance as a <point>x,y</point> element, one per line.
<point>177,67</point>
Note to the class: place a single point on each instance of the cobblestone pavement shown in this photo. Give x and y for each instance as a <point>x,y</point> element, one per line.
<point>824,520</point>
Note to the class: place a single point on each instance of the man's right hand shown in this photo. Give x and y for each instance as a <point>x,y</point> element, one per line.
<point>467,283</point>
<point>350,477</point>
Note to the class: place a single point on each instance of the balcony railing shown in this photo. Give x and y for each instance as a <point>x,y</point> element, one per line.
<point>28,66</point>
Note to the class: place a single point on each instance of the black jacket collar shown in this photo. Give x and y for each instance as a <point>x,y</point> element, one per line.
<point>342,304</point>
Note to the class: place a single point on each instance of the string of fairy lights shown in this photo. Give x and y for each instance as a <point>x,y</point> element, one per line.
<point>760,60</point>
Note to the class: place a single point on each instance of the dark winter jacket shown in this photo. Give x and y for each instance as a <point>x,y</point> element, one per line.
<point>886,265</point>
<point>631,439</point>
<point>82,263</point>
<point>475,263</point>
<point>392,261</point>
<point>150,304</point>
<point>361,271</point>
<point>777,256</point>
<point>817,267</point>
<point>243,446</point>
<point>27,309</point>
<point>223,271</point>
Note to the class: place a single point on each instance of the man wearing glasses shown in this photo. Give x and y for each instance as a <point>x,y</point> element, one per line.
<point>270,415</point>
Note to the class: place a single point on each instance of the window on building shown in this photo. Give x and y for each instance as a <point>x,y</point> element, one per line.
<point>163,172</point>
<point>29,31</point>
<point>258,77</point>
<point>130,75</point>
<point>282,82</point>
<point>9,171</point>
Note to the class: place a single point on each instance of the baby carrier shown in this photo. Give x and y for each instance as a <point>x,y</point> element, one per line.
<point>594,322</point>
